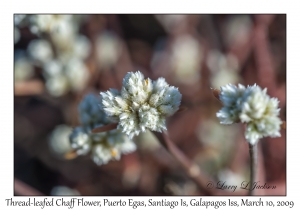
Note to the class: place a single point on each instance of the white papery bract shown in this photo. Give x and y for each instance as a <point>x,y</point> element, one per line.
<point>104,146</point>
<point>252,106</point>
<point>141,104</point>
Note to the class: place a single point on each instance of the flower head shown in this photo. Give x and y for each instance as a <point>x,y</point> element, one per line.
<point>252,106</point>
<point>104,146</point>
<point>141,104</point>
<point>111,146</point>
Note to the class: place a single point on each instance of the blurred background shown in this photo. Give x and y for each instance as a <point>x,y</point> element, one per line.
<point>58,59</point>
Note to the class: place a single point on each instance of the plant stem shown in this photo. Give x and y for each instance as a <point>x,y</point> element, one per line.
<point>105,128</point>
<point>191,168</point>
<point>253,166</point>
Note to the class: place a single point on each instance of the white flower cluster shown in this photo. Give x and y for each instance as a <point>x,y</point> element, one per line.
<point>48,23</point>
<point>60,51</point>
<point>252,106</point>
<point>141,104</point>
<point>103,146</point>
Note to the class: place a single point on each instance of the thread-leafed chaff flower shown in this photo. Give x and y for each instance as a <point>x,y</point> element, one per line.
<point>104,146</point>
<point>142,104</point>
<point>111,146</point>
<point>252,106</point>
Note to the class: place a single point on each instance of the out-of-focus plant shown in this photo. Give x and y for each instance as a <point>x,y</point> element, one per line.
<point>59,50</point>
<point>23,69</point>
<point>108,48</point>
<point>59,140</point>
<point>18,22</point>
<point>218,149</point>
<point>63,191</point>
<point>186,58</point>
<point>238,30</point>
<point>223,68</point>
